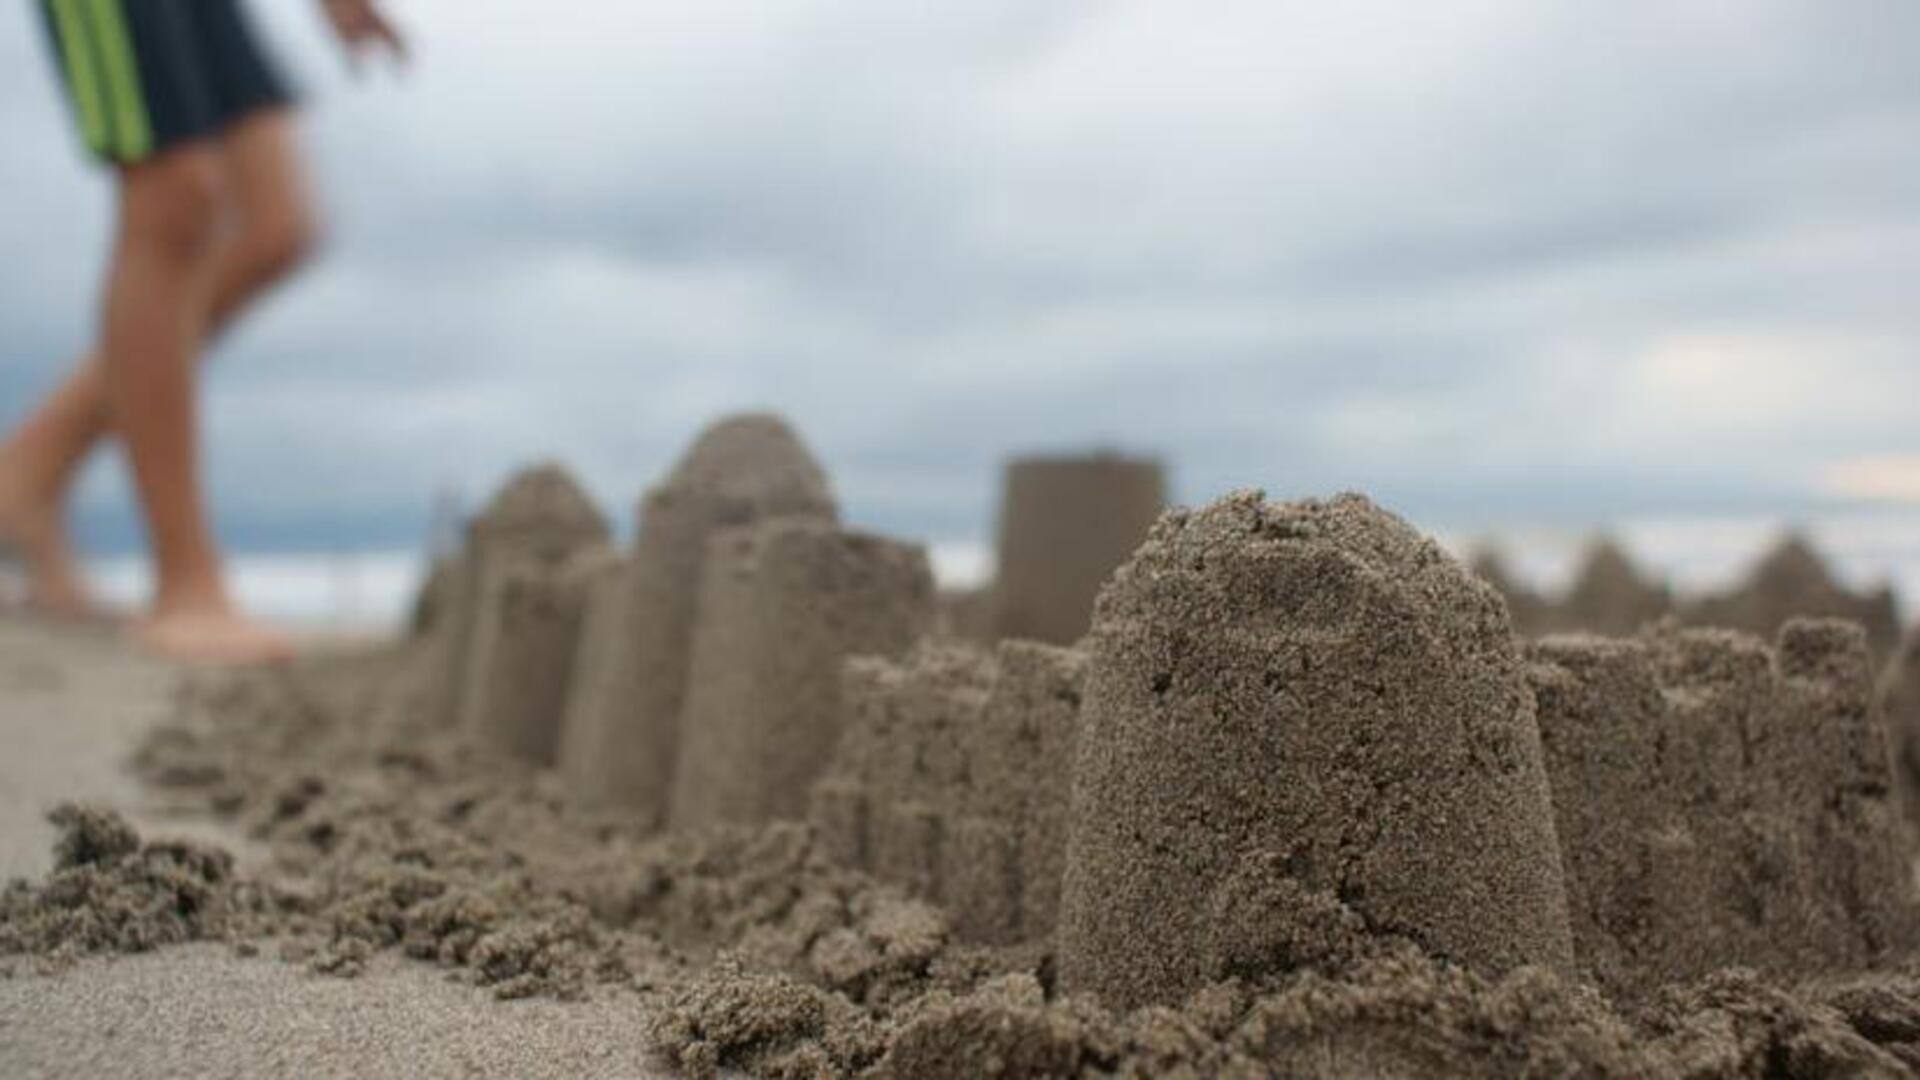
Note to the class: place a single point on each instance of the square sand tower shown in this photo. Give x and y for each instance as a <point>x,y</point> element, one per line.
<point>622,729</point>
<point>952,781</point>
<point>782,604</point>
<point>1306,735</point>
<point>541,517</point>
<point>1722,803</point>
<point>1066,523</point>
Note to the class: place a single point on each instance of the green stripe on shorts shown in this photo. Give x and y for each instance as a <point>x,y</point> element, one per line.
<point>135,130</point>
<point>77,53</point>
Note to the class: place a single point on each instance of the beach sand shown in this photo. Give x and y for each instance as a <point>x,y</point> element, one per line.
<point>74,705</point>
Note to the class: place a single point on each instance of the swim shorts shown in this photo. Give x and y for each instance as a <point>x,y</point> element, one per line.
<point>146,75</point>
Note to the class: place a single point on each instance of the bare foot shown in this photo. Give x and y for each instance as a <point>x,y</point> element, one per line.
<point>214,637</point>
<point>37,534</point>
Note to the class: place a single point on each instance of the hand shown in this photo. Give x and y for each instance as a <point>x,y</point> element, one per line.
<point>362,27</point>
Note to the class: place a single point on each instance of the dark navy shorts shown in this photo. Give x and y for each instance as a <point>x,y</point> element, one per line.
<point>146,75</point>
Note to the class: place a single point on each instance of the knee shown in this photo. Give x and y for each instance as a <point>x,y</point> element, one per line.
<point>175,204</point>
<point>275,245</point>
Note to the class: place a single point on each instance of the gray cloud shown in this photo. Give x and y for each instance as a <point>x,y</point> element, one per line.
<point>1553,259</point>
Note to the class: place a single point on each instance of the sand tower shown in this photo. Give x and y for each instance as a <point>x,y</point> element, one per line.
<point>538,521</point>
<point>1065,524</point>
<point>1609,594</point>
<point>622,728</point>
<point>1722,802</point>
<point>1792,579</point>
<point>781,605</point>
<point>951,780</point>
<point>1305,730</point>
<point>525,644</point>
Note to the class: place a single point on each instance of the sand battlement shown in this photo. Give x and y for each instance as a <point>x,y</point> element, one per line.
<point>952,777</point>
<point>1720,800</point>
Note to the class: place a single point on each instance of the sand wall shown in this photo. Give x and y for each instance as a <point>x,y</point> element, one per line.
<point>1305,725</point>
<point>781,605</point>
<point>623,725</point>
<point>1722,802</point>
<point>1065,525</point>
<point>952,779</point>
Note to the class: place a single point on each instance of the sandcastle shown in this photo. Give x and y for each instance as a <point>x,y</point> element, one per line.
<point>1790,580</point>
<point>781,605</point>
<point>521,547</point>
<point>952,779</point>
<point>623,721</point>
<point>1301,717</point>
<point>1066,524</point>
<point>1722,802</point>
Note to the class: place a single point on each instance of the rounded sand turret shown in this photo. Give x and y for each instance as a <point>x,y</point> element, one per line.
<point>1790,580</point>
<point>1610,595</point>
<point>1066,524</point>
<point>1306,729</point>
<point>541,517</point>
<point>623,725</point>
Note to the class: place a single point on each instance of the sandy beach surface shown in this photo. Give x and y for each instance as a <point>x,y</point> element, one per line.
<point>73,703</point>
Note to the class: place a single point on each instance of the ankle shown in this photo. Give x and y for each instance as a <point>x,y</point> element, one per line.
<point>195,598</point>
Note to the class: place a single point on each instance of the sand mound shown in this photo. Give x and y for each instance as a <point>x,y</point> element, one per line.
<point>1305,729</point>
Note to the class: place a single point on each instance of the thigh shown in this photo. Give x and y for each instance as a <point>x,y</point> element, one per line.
<point>265,170</point>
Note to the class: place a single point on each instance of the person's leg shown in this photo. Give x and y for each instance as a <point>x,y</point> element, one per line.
<point>158,300</point>
<point>270,234</point>
<point>37,465</point>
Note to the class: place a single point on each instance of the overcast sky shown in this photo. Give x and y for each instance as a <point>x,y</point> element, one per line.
<point>1543,259</point>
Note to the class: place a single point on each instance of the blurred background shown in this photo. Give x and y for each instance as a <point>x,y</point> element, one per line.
<point>1519,269</point>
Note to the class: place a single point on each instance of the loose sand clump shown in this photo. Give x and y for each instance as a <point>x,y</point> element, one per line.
<point>951,781</point>
<point>1306,731</point>
<point>623,721</point>
<point>110,892</point>
<point>1721,802</point>
<point>1793,580</point>
<point>1066,523</point>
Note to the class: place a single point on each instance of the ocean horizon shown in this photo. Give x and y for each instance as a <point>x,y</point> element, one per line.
<point>371,591</point>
